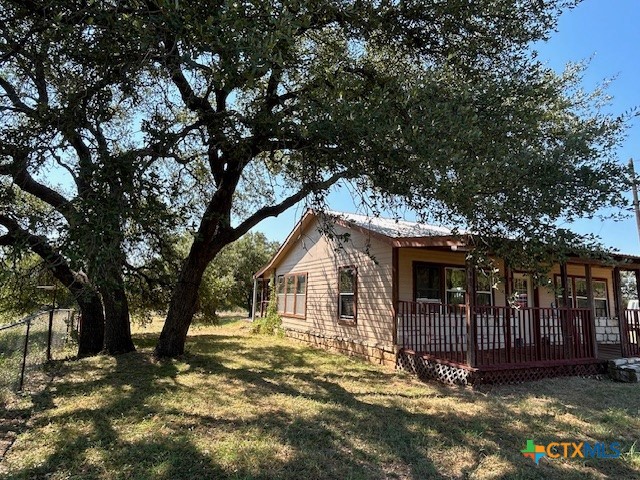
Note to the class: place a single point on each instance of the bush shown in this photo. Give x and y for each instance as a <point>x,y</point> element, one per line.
<point>271,323</point>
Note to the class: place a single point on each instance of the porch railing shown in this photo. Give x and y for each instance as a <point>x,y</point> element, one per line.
<point>630,329</point>
<point>499,335</point>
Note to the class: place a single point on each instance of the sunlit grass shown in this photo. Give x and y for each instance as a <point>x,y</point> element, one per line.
<point>244,406</point>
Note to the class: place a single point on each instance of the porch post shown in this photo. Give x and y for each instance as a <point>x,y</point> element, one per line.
<point>617,293</point>
<point>472,335</point>
<point>394,293</point>
<point>508,290</point>
<point>508,283</point>
<point>255,299</point>
<point>564,283</point>
<point>592,307</point>
<point>564,315</point>
<point>619,309</point>
<point>265,296</point>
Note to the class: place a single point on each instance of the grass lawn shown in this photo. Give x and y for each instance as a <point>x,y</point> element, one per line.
<point>242,406</point>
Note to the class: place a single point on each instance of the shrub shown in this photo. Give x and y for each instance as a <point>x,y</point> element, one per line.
<point>271,323</point>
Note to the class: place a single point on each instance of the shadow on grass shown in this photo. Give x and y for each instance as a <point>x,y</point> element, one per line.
<point>344,432</point>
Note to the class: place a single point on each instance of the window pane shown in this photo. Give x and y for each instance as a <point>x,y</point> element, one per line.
<point>456,278</point>
<point>483,282</point>
<point>561,302</point>
<point>520,285</point>
<point>290,283</point>
<point>455,298</point>
<point>484,298</point>
<point>301,284</point>
<point>347,276</point>
<point>581,287</point>
<point>427,282</point>
<point>569,292</point>
<point>290,300</point>
<point>601,308</point>
<point>281,302</point>
<point>600,289</point>
<point>521,291</point>
<point>582,302</point>
<point>300,304</point>
<point>346,306</point>
<point>280,283</point>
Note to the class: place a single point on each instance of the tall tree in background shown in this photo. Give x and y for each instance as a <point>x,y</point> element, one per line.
<point>235,265</point>
<point>227,282</point>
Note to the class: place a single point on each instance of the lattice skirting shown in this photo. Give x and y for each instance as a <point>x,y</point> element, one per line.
<point>519,375</point>
<point>428,368</point>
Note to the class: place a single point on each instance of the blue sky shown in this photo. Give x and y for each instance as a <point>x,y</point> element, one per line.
<point>607,33</point>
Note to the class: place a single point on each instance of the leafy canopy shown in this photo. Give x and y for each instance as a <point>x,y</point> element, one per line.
<point>207,117</point>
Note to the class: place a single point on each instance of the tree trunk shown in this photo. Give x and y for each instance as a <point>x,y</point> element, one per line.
<point>183,304</point>
<point>117,326</point>
<point>91,339</point>
<point>92,332</point>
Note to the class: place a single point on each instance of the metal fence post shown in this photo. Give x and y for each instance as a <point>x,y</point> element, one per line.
<point>24,355</point>
<point>49,335</point>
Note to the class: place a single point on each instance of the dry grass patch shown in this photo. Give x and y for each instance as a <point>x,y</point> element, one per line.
<point>241,406</point>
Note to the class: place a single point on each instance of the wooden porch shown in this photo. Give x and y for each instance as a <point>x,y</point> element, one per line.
<point>489,341</point>
<point>495,336</point>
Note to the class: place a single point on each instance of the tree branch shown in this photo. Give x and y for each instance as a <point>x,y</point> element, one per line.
<point>23,179</point>
<point>14,97</point>
<point>54,261</point>
<point>275,210</point>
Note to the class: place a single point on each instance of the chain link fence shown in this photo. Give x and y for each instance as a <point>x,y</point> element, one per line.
<point>27,345</point>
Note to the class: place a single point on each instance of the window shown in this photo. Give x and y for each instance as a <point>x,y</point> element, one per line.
<point>484,288</point>
<point>301,295</point>
<point>448,285</point>
<point>347,293</point>
<point>290,300</point>
<point>522,290</point>
<point>577,293</point>
<point>456,285</point>
<point>292,294</point>
<point>600,297</point>
<point>427,283</point>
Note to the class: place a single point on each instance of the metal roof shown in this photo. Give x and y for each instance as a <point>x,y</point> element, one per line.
<point>390,227</point>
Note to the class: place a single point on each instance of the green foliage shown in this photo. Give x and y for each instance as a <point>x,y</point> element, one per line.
<point>20,277</point>
<point>271,323</point>
<point>228,280</point>
<point>206,118</point>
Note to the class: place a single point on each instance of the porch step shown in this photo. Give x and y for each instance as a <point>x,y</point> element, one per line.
<point>625,369</point>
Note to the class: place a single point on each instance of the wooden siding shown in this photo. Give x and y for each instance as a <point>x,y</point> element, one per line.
<point>320,258</point>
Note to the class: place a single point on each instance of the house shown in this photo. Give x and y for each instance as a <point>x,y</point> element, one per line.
<point>401,293</point>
